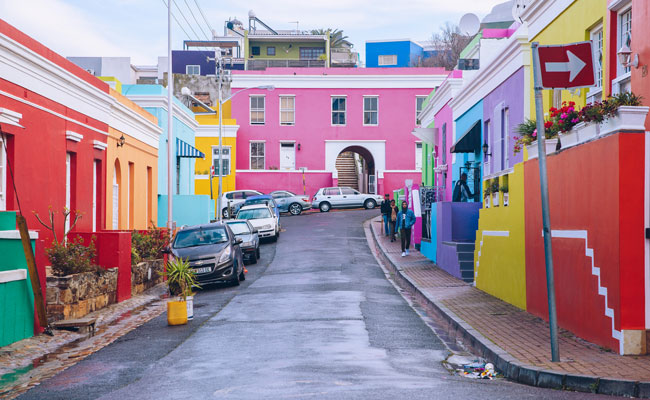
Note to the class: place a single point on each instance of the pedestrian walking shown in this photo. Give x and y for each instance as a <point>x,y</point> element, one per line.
<point>392,224</point>
<point>385,212</point>
<point>461,190</point>
<point>405,221</point>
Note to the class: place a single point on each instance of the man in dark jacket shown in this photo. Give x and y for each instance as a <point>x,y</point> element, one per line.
<point>461,190</point>
<point>385,212</point>
<point>405,221</point>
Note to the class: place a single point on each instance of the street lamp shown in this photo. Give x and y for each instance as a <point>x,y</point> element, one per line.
<point>221,79</point>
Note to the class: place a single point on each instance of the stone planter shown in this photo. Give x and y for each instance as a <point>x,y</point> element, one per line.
<point>145,275</point>
<point>74,296</point>
<point>532,148</point>
<point>505,198</point>
<point>627,119</point>
<point>495,199</point>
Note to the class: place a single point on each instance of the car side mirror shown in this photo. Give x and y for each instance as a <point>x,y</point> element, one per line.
<point>239,240</point>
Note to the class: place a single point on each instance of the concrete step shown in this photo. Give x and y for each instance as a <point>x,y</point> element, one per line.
<point>467,276</point>
<point>465,255</point>
<point>466,265</point>
<point>461,246</point>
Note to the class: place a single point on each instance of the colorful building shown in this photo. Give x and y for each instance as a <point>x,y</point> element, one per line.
<point>314,115</point>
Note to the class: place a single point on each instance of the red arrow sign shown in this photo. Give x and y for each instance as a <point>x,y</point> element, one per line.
<point>567,66</point>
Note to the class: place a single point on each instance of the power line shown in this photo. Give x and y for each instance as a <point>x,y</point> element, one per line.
<point>196,20</point>
<point>203,15</point>
<point>183,15</point>
<point>181,26</point>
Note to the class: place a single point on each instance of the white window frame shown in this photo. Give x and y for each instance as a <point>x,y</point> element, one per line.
<point>251,110</point>
<point>418,112</point>
<point>68,189</point>
<point>3,177</point>
<point>250,154</point>
<point>370,111</point>
<point>623,75</point>
<point>505,120</point>
<point>286,110</point>
<point>187,69</point>
<point>287,142</point>
<point>418,157</point>
<point>387,59</point>
<point>229,158</point>
<point>345,110</point>
<point>487,138</point>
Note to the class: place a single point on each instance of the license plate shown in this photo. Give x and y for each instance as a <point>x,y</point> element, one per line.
<point>202,270</point>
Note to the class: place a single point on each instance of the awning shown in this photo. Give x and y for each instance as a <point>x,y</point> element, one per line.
<point>470,142</point>
<point>184,149</point>
<point>429,135</point>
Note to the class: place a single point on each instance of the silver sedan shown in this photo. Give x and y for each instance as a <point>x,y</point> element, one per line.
<point>290,202</point>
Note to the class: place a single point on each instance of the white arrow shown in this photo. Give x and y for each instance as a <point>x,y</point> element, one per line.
<point>573,66</point>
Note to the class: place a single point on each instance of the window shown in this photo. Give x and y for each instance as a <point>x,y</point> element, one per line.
<point>225,158</point>
<point>557,98</point>
<point>270,51</point>
<point>255,50</point>
<point>487,128</point>
<point>257,110</point>
<point>257,155</point>
<point>348,191</point>
<point>625,34</point>
<point>338,110</point>
<point>193,69</point>
<point>506,138</point>
<point>370,110</point>
<point>444,143</point>
<point>419,103</point>
<point>178,175</point>
<point>311,53</point>
<point>331,192</point>
<point>418,156</point>
<point>387,60</point>
<point>287,110</point>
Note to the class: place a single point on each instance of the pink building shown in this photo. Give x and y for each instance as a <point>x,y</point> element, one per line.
<point>317,116</point>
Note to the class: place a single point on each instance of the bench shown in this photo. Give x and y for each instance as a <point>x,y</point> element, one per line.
<point>82,323</point>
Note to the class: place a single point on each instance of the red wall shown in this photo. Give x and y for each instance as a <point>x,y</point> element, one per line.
<point>640,45</point>
<point>597,187</point>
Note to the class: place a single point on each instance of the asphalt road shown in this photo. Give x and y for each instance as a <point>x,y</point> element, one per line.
<point>316,318</point>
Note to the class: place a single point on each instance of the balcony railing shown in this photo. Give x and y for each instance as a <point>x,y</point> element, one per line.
<point>255,64</point>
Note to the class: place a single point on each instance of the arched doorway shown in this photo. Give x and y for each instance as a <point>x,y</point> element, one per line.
<point>355,166</point>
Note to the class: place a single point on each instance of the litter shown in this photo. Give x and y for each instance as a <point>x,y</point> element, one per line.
<point>478,370</point>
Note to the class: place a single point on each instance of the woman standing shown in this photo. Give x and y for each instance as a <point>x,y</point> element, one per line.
<point>405,221</point>
<point>392,220</point>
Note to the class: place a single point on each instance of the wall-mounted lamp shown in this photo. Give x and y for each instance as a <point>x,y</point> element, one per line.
<point>121,141</point>
<point>486,148</point>
<point>625,57</point>
<point>298,146</point>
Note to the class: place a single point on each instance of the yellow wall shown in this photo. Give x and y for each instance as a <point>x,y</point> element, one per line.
<point>500,261</point>
<point>573,25</point>
<point>205,144</point>
<point>142,204</point>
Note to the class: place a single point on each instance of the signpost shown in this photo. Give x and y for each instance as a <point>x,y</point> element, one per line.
<point>564,66</point>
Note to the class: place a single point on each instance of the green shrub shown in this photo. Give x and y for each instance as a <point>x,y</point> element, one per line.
<point>147,245</point>
<point>73,257</point>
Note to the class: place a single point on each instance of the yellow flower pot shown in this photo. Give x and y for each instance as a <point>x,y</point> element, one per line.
<point>176,312</point>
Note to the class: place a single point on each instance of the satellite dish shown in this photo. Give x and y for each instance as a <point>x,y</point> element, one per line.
<point>518,9</point>
<point>230,25</point>
<point>469,24</point>
<point>251,14</point>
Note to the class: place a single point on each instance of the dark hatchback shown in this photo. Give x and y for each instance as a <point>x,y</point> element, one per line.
<point>250,245</point>
<point>213,252</point>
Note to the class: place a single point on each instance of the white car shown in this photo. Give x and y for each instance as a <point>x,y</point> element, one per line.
<point>343,197</point>
<point>262,218</point>
<point>233,199</point>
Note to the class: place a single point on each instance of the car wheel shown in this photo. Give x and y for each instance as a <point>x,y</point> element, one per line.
<point>258,252</point>
<point>370,204</point>
<point>225,213</point>
<point>254,257</point>
<point>235,276</point>
<point>242,275</point>
<point>324,206</point>
<point>295,209</point>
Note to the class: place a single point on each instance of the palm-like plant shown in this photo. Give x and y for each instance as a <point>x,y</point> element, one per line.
<point>337,39</point>
<point>180,278</point>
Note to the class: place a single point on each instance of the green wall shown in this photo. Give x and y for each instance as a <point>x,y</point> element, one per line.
<point>282,50</point>
<point>16,297</point>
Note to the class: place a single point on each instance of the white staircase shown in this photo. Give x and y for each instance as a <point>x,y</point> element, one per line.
<point>347,170</point>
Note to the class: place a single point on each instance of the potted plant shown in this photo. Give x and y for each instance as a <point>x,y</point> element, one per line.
<point>494,189</point>
<point>180,281</point>
<point>486,194</point>
<point>528,138</point>
<point>504,189</point>
<point>624,112</point>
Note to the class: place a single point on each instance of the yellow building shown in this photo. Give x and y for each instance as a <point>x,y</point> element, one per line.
<point>207,141</point>
<point>553,23</point>
<point>132,166</point>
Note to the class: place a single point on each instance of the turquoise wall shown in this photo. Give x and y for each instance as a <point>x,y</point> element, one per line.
<point>188,210</point>
<point>463,124</point>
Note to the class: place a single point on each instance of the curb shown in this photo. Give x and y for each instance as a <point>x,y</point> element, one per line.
<point>512,368</point>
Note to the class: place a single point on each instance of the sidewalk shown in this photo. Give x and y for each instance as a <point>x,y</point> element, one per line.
<point>517,342</point>
<point>28,362</point>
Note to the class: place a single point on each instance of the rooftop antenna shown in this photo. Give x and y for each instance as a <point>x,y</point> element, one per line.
<point>297,24</point>
<point>469,24</point>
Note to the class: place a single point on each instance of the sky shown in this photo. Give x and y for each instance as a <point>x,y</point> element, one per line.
<point>138,28</point>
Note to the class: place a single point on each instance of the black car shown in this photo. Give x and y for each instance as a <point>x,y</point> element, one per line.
<point>250,245</point>
<point>213,252</point>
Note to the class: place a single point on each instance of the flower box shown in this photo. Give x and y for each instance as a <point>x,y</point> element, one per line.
<point>627,118</point>
<point>495,199</point>
<point>550,144</point>
<point>505,199</point>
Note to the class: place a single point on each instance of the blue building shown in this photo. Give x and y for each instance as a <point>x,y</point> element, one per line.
<point>193,62</point>
<point>189,208</point>
<point>393,53</point>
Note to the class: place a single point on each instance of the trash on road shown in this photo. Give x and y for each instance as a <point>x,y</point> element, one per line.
<point>478,370</point>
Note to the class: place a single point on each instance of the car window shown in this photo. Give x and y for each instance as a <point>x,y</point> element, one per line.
<point>200,237</point>
<point>256,213</point>
<point>238,195</point>
<point>272,203</point>
<point>347,191</point>
<point>250,202</point>
<point>229,196</point>
<point>280,195</point>
<point>251,194</point>
<point>331,192</point>
<point>290,194</point>
<point>239,228</point>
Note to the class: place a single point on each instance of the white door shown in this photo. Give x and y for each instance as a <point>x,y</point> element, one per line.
<point>94,215</point>
<point>287,156</point>
<point>116,201</point>
<point>67,189</point>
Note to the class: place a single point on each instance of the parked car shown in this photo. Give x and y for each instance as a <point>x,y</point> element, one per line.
<point>290,202</point>
<point>343,197</point>
<point>262,199</point>
<point>262,218</point>
<point>213,251</point>
<point>234,199</point>
<point>250,245</point>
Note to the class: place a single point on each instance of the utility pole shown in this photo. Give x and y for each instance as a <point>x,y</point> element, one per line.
<point>170,119</point>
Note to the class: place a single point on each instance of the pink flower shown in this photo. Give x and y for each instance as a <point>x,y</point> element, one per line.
<point>563,116</point>
<point>571,109</point>
<point>535,133</point>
